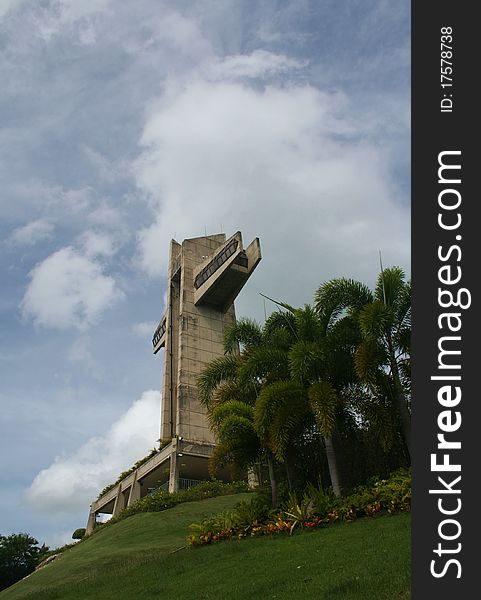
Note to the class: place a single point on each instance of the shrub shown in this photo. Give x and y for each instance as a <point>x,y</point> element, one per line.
<point>322,499</point>
<point>298,512</point>
<point>316,509</point>
<point>79,533</point>
<point>160,500</point>
<point>255,510</point>
<point>390,495</point>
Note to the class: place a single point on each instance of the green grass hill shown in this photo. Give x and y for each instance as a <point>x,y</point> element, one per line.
<point>144,557</point>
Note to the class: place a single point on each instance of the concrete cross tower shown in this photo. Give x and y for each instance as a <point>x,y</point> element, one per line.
<point>205,275</point>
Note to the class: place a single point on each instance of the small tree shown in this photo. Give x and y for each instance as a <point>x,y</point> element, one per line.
<point>19,555</point>
<point>382,359</point>
<point>79,533</point>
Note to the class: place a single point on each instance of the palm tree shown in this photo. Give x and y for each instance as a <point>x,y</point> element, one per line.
<point>230,387</point>
<point>281,412</point>
<point>230,411</point>
<point>322,361</point>
<point>238,443</point>
<point>281,415</point>
<point>382,358</point>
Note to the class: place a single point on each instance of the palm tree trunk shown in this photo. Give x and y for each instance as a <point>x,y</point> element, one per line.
<point>401,406</point>
<point>272,478</point>
<point>332,464</point>
<point>399,397</point>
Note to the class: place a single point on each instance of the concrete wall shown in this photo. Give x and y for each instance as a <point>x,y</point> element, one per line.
<point>197,334</point>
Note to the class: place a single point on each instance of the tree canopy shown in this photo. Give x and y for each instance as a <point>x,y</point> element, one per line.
<point>19,555</point>
<point>327,384</point>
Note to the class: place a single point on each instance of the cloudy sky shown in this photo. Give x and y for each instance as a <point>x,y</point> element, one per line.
<point>126,124</point>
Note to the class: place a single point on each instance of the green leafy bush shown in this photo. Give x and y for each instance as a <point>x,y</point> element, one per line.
<point>78,534</point>
<point>390,495</point>
<point>316,509</point>
<point>160,500</point>
<point>322,499</point>
<point>255,510</point>
<point>224,521</point>
<point>299,512</point>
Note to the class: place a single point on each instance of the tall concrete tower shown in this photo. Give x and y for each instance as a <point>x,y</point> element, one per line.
<point>205,275</point>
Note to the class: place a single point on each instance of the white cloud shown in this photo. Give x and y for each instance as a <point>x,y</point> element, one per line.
<point>73,481</point>
<point>67,13</point>
<point>97,244</point>
<point>32,233</point>
<point>33,196</point>
<point>288,164</point>
<point>79,351</point>
<point>107,169</point>
<point>68,290</point>
<point>259,63</point>
<point>72,10</point>
<point>105,216</point>
<point>7,5</point>
<point>181,34</point>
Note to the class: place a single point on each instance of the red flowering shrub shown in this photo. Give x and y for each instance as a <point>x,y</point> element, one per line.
<point>390,495</point>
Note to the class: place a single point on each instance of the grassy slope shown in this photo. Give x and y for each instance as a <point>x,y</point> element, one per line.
<point>366,559</point>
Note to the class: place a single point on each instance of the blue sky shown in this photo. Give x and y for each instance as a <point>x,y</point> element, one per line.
<point>124,124</point>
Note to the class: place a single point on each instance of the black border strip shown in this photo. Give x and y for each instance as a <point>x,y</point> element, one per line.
<point>433,132</point>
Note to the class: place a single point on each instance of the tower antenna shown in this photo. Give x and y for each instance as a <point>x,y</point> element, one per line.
<point>382,278</point>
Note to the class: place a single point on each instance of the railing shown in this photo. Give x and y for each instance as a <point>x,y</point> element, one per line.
<point>197,449</point>
<point>185,484</point>
<point>159,332</point>
<point>218,260</point>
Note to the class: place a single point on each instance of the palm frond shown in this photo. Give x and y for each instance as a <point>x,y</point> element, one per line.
<point>376,319</point>
<point>280,321</point>
<point>237,429</point>
<point>290,419</point>
<point>224,392</point>
<point>271,398</point>
<point>218,371</point>
<point>389,285</point>
<point>263,364</point>
<point>378,415</point>
<point>232,407</point>
<point>230,452</point>
<point>336,296</point>
<point>308,324</point>
<point>245,333</point>
<point>403,308</point>
<point>367,359</point>
<point>403,341</point>
<point>233,390</point>
<point>305,361</point>
<point>324,401</point>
